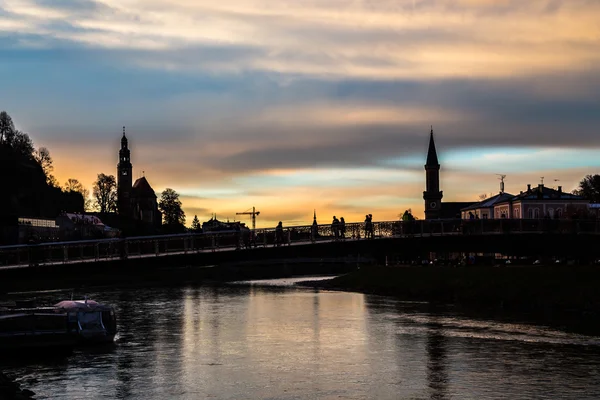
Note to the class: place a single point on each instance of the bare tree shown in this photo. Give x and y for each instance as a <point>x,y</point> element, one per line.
<point>42,156</point>
<point>483,196</point>
<point>105,193</point>
<point>73,185</point>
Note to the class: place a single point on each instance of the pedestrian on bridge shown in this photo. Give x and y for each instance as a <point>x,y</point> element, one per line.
<point>279,234</point>
<point>342,228</point>
<point>369,226</point>
<point>335,228</point>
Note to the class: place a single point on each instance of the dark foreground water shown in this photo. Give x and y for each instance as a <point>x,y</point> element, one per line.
<point>264,341</point>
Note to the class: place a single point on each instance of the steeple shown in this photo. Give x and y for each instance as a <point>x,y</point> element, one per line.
<point>432,158</point>
<point>432,194</point>
<point>124,178</point>
<point>315,217</point>
<point>124,140</point>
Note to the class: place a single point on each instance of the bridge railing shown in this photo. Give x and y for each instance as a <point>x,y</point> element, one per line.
<point>155,246</point>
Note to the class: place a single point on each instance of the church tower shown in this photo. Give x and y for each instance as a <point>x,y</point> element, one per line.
<point>432,194</point>
<point>124,169</point>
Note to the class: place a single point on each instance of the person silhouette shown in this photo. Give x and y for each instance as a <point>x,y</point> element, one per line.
<point>335,227</point>
<point>279,234</point>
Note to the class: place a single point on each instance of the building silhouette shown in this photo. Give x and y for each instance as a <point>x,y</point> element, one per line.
<point>434,208</point>
<point>137,201</point>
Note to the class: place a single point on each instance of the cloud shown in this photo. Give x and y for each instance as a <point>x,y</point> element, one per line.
<point>327,104</point>
<point>383,40</point>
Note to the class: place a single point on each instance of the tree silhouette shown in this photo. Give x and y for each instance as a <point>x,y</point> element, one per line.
<point>73,185</point>
<point>42,156</point>
<point>19,141</point>
<point>196,224</point>
<point>170,206</point>
<point>105,193</point>
<point>589,188</point>
<point>7,127</point>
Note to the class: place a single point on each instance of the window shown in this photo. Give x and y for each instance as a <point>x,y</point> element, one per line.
<point>559,213</point>
<point>551,212</point>
<point>536,213</point>
<point>530,213</point>
<point>484,216</point>
<point>516,213</point>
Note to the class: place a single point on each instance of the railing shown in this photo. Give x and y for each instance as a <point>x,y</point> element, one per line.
<point>156,246</point>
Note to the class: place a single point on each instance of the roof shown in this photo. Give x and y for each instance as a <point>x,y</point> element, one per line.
<point>542,192</point>
<point>141,188</point>
<point>488,203</point>
<point>432,158</point>
<point>451,210</point>
<point>85,218</point>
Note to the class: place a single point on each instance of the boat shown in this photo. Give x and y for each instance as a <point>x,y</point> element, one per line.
<point>95,322</point>
<point>61,327</point>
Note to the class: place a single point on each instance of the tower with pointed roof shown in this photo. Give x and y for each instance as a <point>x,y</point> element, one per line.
<point>137,200</point>
<point>124,179</point>
<point>432,194</point>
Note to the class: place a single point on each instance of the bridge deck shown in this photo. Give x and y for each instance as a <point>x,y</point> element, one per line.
<point>90,251</point>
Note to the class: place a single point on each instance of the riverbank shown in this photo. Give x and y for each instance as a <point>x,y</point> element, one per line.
<point>559,295</point>
<point>10,390</point>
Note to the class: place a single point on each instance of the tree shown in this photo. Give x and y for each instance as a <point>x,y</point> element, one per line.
<point>7,127</point>
<point>73,185</point>
<point>105,193</point>
<point>589,188</point>
<point>42,156</point>
<point>196,224</point>
<point>20,142</point>
<point>170,206</point>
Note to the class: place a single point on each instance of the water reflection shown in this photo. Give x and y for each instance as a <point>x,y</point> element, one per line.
<point>260,341</point>
<point>437,376</point>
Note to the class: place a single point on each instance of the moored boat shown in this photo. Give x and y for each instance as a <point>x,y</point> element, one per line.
<point>61,327</point>
<point>95,322</point>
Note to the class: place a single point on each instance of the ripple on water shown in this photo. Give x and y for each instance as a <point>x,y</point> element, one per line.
<point>270,339</point>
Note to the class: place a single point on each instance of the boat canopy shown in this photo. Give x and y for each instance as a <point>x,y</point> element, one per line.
<point>72,305</point>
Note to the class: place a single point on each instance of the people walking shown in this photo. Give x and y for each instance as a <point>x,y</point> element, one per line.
<point>342,228</point>
<point>335,228</point>
<point>369,226</point>
<point>279,234</point>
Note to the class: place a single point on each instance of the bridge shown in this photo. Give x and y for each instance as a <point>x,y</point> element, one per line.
<point>399,238</point>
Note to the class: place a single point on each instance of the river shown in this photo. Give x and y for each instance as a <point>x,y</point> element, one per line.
<point>273,340</point>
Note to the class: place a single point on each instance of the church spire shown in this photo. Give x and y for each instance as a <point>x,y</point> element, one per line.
<point>314,217</point>
<point>124,140</point>
<point>432,159</point>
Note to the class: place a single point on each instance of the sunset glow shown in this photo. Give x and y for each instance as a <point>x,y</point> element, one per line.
<point>295,106</point>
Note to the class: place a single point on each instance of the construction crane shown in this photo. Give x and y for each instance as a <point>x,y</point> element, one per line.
<point>502,176</point>
<point>253,213</point>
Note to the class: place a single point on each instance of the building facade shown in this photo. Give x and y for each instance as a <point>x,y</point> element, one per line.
<point>485,209</point>
<point>137,200</point>
<point>541,202</point>
<point>534,203</point>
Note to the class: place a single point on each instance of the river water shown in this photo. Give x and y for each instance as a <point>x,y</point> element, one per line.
<point>273,340</point>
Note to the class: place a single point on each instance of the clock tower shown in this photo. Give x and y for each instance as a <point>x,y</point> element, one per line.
<point>432,194</point>
<point>124,179</point>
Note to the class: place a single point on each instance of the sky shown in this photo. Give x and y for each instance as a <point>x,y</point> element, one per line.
<point>292,106</point>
